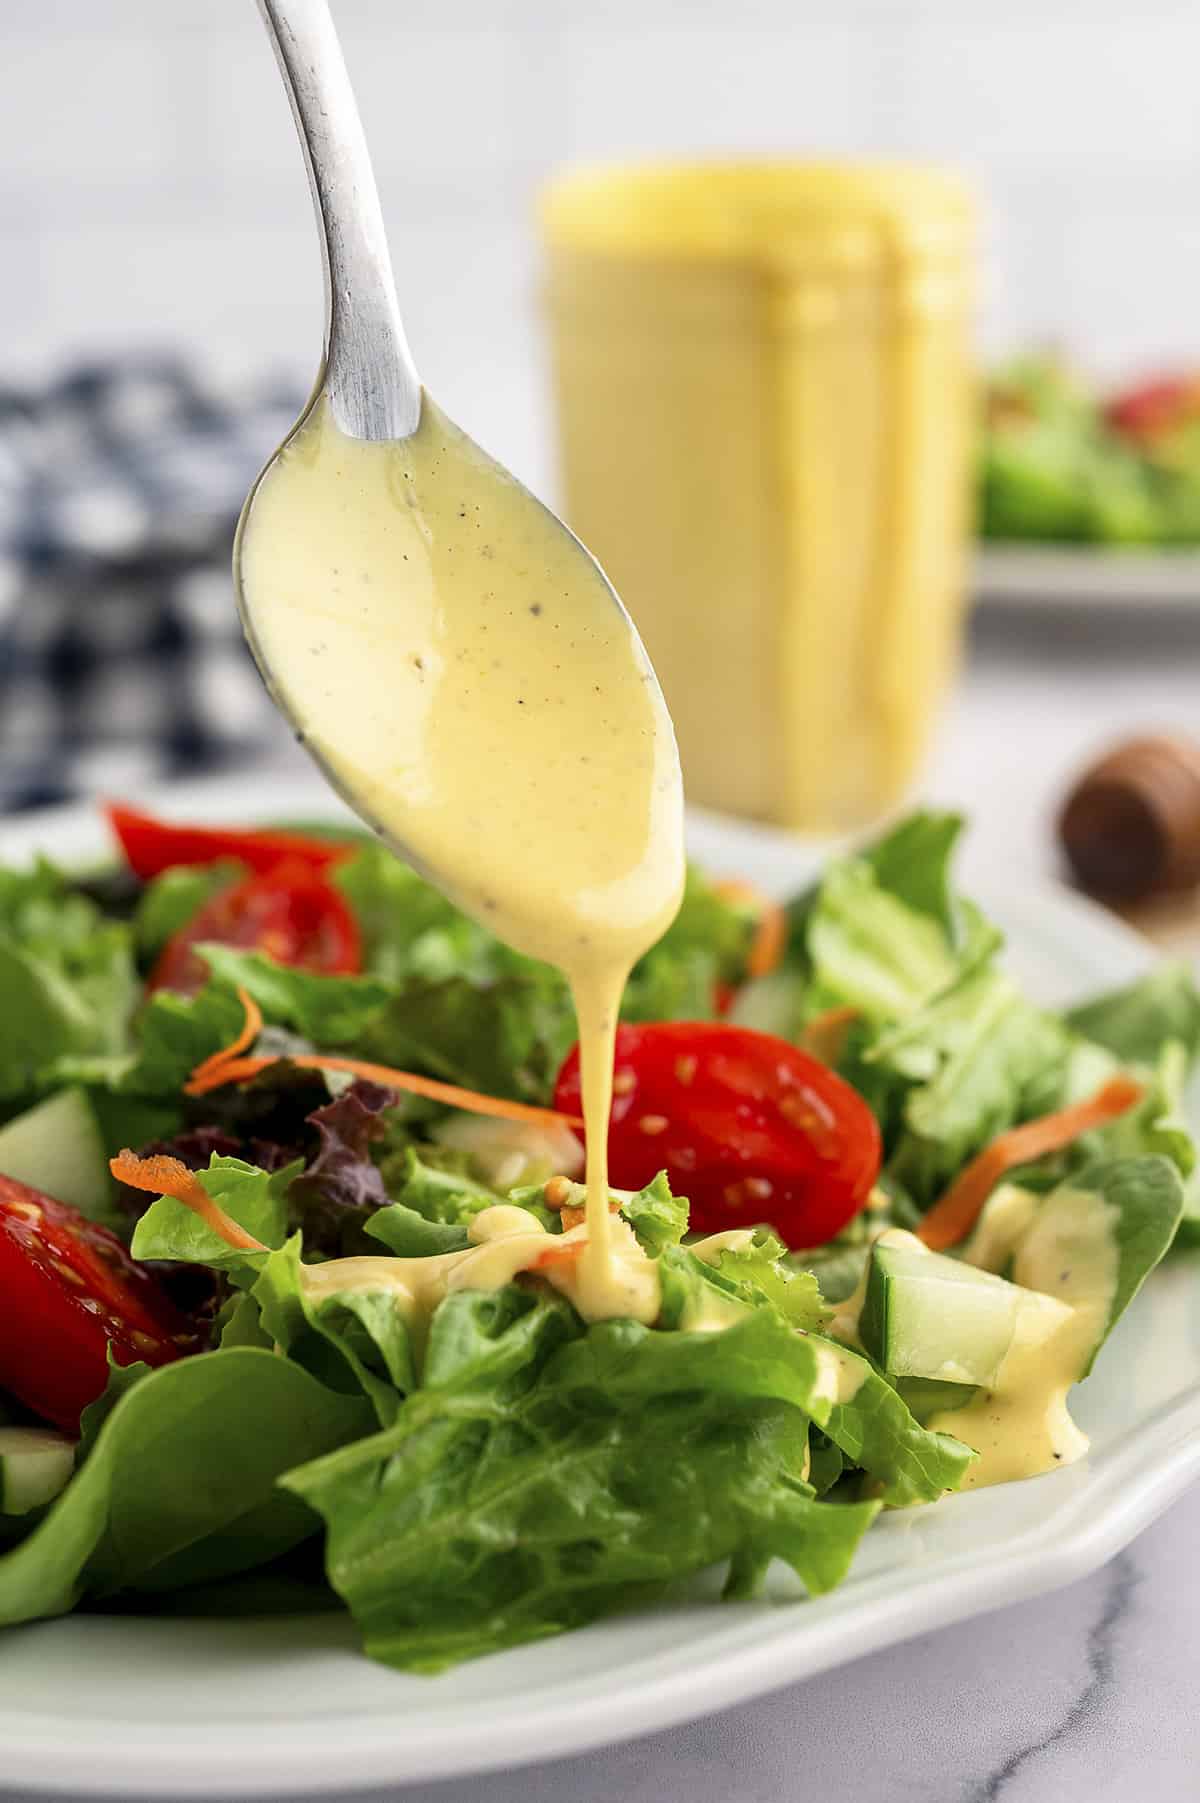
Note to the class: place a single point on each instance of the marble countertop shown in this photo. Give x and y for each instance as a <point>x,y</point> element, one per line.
<point>1087,1693</point>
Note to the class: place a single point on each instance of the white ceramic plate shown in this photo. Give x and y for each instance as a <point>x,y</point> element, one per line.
<point>116,1705</point>
<point>1090,576</point>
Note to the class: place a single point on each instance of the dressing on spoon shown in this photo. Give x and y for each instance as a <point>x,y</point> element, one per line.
<point>463,672</point>
<point>451,655</point>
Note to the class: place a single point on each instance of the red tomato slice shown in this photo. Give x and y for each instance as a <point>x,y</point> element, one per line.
<point>292,915</point>
<point>1154,408</point>
<point>152,846</point>
<point>748,1127</point>
<point>69,1292</point>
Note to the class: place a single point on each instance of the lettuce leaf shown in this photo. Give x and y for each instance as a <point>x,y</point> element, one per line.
<point>1137,1021</point>
<point>1132,1205</point>
<point>68,985</point>
<point>870,951</point>
<point>506,1035</point>
<point>546,1475</point>
<point>180,1484</point>
<point>329,1011</point>
<point>171,1035</point>
<point>970,1065</point>
<point>759,1274</point>
<point>431,1208</point>
<point>395,908</point>
<point>1157,1125</point>
<point>658,1218</point>
<point>353,1340</point>
<point>257,1200</point>
<point>170,900</point>
<point>914,861</point>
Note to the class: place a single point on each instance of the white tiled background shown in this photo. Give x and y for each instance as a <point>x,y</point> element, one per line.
<point>151,190</point>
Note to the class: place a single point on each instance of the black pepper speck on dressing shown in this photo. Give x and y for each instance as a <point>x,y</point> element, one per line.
<point>549,786</point>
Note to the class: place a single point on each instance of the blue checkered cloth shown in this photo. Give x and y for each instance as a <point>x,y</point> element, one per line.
<point>121,656</point>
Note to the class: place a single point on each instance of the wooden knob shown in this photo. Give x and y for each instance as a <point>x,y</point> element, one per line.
<point>1131,825</point>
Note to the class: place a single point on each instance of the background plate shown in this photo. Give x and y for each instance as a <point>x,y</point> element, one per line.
<point>1073,576</point>
<point>116,1705</point>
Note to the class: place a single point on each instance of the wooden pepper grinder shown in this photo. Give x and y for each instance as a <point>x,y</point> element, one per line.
<point>1130,829</point>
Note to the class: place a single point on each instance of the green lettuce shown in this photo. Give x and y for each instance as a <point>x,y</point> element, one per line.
<point>528,1488</point>
<point>1131,1204</point>
<point>68,985</point>
<point>1137,1021</point>
<point>353,1340</point>
<point>430,1210</point>
<point>257,1200</point>
<point>173,898</point>
<point>969,1065</point>
<point>179,1485</point>
<point>872,952</point>
<point>758,1272</point>
<point>327,1010</point>
<point>658,1218</point>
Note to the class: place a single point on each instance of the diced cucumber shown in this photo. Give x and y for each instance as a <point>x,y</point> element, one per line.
<point>925,1315</point>
<point>507,1154</point>
<point>57,1147</point>
<point>927,1397</point>
<point>35,1464</point>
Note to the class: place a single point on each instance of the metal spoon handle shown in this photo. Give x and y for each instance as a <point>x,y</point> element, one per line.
<point>373,387</point>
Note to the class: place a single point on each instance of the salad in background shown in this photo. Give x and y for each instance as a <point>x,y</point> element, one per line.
<point>239,1058</point>
<point>1062,461</point>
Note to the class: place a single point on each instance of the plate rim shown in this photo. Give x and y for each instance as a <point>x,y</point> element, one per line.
<point>763,1649</point>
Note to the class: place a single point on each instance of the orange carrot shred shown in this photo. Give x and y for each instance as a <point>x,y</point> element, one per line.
<point>825,1034</point>
<point>952,1217</point>
<point>237,1070</point>
<point>164,1176</point>
<point>770,928</point>
<point>247,1033</point>
<point>558,1255</point>
<point>770,941</point>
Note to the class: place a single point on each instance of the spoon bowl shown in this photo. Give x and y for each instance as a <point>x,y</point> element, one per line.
<point>453,658</point>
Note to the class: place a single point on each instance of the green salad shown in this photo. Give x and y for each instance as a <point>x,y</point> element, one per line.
<point>1061,462</point>
<point>289,1199</point>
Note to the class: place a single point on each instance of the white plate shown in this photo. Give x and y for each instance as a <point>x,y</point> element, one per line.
<point>1109,577</point>
<point>116,1705</point>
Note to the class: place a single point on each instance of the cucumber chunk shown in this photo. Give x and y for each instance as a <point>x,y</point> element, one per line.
<point>928,1316</point>
<point>35,1464</point>
<point>57,1147</point>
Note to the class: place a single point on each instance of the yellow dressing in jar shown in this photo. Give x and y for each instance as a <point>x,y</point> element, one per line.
<point>763,382</point>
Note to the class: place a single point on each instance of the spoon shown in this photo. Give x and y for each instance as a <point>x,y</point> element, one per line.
<point>449,653</point>
<point>498,721</point>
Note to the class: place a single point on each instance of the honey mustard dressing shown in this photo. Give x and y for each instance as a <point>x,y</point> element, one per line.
<point>461,669</point>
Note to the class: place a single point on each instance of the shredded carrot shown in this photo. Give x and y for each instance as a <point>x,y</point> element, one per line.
<point>952,1217</point>
<point>229,1066</point>
<point>558,1254</point>
<point>770,941</point>
<point>164,1176</point>
<point>249,1031</point>
<point>574,1214</point>
<point>770,928</point>
<point>825,1034</point>
<point>237,1070</point>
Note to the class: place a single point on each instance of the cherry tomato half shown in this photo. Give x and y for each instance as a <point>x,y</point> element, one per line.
<point>70,1293</point>
<point>292,915</point>
<point>748,1127</point>
<point>152,845</point>
<point>1156,408</point>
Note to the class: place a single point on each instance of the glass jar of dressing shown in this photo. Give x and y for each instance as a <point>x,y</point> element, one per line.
<point>763,384</point>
